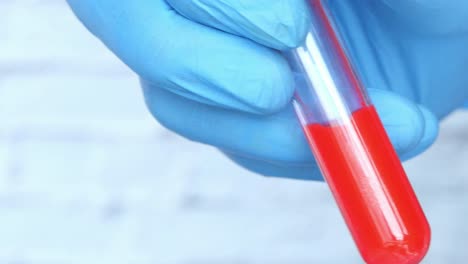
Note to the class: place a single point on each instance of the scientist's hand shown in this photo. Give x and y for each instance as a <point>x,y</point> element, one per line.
<point>211,70</point>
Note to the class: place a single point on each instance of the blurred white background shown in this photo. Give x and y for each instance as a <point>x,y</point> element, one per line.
<point>87,176</point>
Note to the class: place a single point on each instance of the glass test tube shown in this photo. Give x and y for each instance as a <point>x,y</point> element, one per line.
<point>353,150</point>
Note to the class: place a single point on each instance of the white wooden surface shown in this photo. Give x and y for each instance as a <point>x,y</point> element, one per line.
<point>87,176</point>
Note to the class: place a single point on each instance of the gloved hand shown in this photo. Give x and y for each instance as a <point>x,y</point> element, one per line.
<point>211,70</point>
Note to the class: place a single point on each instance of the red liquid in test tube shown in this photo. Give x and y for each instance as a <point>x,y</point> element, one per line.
<point>354,152</point>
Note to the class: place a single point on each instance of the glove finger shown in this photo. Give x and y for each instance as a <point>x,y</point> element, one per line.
<point>431,131</point>
<point>412,128</point>
<point>299,172</point>
<point>192,60</point>
<point>276,138</point>
<point>312,172</point>
<point>279,24</point>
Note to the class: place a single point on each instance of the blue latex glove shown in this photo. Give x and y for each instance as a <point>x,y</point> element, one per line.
<point>211,70</point>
